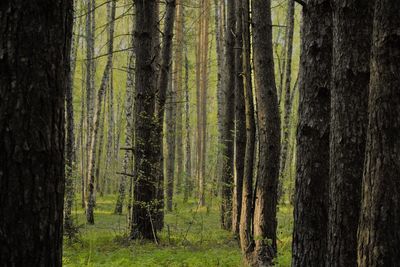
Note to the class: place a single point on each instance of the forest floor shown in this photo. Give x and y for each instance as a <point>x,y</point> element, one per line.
<point>192,237</point>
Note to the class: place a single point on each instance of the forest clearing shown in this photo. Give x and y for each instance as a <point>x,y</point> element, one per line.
<point>200,133</point>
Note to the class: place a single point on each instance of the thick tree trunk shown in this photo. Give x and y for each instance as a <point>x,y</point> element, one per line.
<point>146,187</point>
<point>240,120</point>
<point>269,134</point>
<point>352,31</point>
<point>34,74</point>
<point>379,232</point>
<point>246,218</point>
<point>312,173</point>
<point>229,125</point>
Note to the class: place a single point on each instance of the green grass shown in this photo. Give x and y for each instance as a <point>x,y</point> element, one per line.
<point>192,237</point>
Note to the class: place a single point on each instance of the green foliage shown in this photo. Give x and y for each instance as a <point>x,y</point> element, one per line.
<point>192,237</point>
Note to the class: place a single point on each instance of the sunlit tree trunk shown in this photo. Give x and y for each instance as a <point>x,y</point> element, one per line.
<point>269,133</point>
<point>246,218</point>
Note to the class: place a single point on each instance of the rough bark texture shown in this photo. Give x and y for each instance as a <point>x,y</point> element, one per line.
<point>312,173</point>
<point>269,134</point>
<point>352,31</point>
<point>229,121</point>
<point>379,232</point>
<point>145,189</point>
<point>240,120</point>
<point>34,73</point>
<point>246,218</point>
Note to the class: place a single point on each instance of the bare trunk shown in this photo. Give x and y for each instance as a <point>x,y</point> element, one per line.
<point>379,232</point>
<point>35,71</point>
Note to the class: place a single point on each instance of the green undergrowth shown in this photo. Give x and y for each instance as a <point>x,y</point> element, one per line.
<point>192,236</point>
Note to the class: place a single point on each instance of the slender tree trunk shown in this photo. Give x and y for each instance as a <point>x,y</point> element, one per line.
<point>219,36</point>
<point>178,75</point>
<point>269,133</point>
<point>188,164</point>
<point>100,146</point>
<point>96,119</point>
<point>240,120</point>
<point>127,165</point>
<point>203,99</point>
<point>69,140</point>
<point>228,138</point>
<point>379,234</point>
<point>35,69</point>
<point>312,173</point>
<point>288,94</point>
<point>246,218</point>
<point>352,31</point>
<point>170,136</point>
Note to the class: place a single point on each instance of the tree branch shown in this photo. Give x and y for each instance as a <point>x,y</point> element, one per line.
<point>301,2</point>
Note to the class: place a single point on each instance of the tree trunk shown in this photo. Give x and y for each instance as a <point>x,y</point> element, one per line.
<point>352,31</point>
<point>96,119</point>
<point>312,173</point>
<point>246,218</point>
<point>178,72</point>
<point>146,187</point>
<point>127,165</point>
<point>240,120</point>
<point>229,112</point>
<point>379,234</point>
<point>35,69</point>
<point>69,141</point>
<point>288,94</point>
<point>170,136</point>
<point>219,36</point>
<point>188,164</point>
<point>269,133</point>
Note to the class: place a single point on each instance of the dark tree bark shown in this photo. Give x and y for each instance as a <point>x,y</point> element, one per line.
<point>312,173</point>
<point>229,121</point>
<point>352,30</point>
<point>269,133</point>
<point>34,74</point>
<point>246,218</point>
<point>145,189</point>
<point>379,232</point>
<point>240,120</point>
<point>188,163</point>
<point>164,86</point>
